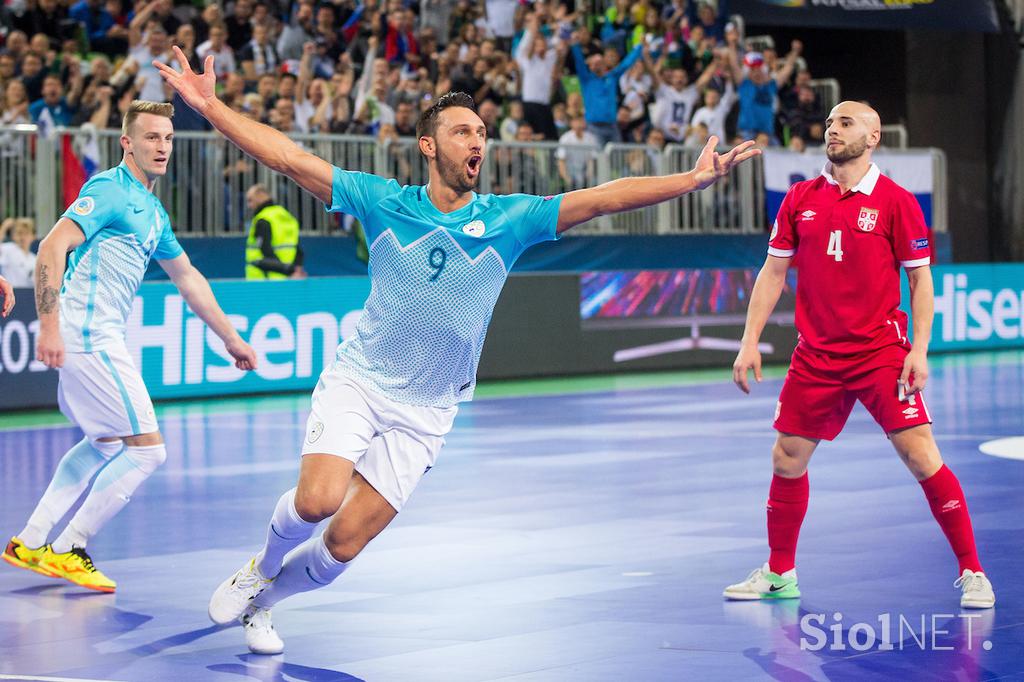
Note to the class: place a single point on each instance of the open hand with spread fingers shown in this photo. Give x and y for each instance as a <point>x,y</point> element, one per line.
<point>711,165</point>
<point>197,89</point>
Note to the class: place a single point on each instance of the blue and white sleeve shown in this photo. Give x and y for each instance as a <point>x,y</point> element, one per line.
<point>356,193</point>
<point>533,218</point>
<point>97,205</point>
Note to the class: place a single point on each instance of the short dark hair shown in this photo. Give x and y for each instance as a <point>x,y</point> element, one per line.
<point>427,123</point>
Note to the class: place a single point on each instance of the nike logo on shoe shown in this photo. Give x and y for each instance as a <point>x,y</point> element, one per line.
<point>776,588</point>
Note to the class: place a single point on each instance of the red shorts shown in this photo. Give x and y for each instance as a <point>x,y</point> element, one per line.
<point>820,391</point>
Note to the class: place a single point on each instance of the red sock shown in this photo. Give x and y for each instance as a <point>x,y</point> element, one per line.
<point>787,504</point>
<point>949,507</point>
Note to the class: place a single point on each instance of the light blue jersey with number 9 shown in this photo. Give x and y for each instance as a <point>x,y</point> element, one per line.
<point>434,280</point>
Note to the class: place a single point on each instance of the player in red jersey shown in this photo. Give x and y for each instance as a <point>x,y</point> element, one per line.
<point>849,231</point>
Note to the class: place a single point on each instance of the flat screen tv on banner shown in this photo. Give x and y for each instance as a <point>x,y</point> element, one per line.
<point>953,15</point>
<point>697,298</point>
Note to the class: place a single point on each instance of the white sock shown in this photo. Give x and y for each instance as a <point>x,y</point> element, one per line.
<point>110,493</point>
<point>69,481</point>
<point>287,531</point>
<point>309,568</point>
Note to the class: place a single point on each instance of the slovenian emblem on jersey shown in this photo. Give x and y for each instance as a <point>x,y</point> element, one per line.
<point>867,218</point>
<point>474,228</point>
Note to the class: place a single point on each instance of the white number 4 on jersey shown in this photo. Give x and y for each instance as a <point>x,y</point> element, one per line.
<point>835,244</point>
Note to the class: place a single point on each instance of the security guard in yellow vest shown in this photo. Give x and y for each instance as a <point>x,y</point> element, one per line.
<point>272,251</point>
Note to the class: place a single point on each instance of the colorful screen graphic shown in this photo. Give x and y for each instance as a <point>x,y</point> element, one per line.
<point>661,297</point>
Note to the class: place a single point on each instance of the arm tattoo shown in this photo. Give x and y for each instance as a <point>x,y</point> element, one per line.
<point>46,296</point>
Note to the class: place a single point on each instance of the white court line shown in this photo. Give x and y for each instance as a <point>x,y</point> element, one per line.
<point>36,678</point>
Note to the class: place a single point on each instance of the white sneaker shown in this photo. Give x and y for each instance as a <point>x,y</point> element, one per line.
<point>976,590</point>
<point>233,595</point>
<point>260,635</point>
<point>763,584</point>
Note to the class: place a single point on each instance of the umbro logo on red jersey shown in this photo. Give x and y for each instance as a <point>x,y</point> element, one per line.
<point>808,215</point>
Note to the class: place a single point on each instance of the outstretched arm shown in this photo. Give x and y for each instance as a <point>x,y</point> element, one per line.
<point>767,289</point>
<point>706,76</point>
<point>626,194</point>
<point>50,263</point>
<point>782,75</point>
<point>197,293</point>
<point>268,146</point>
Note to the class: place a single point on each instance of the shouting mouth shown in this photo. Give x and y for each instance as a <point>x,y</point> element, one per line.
<point>473,165</point>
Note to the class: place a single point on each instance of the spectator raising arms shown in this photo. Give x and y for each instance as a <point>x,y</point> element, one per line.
<point>757,90</point>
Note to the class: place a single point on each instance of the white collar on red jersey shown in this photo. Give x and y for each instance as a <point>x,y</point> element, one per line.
<point>866,184</point>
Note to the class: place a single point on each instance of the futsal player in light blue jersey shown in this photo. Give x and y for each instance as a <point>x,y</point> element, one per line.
<point>111,231</point>
<point>439,256</point>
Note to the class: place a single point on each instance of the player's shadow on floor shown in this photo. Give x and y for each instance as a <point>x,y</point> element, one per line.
<point>274,669</point>
<point>160,645</point>
<point>61,589</point>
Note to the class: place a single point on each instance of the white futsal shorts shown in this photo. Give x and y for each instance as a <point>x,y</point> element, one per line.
<point>392,444</point>
<point>102,392</point>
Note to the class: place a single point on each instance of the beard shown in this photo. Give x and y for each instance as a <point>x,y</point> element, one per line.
<point>454,175</point>
<point>848,152</point>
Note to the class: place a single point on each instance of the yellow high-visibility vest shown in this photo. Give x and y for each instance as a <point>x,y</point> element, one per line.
<point>284,240</point>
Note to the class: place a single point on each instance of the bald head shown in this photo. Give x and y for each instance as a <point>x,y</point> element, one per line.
<point>860,111</point>
<point>852,130</point>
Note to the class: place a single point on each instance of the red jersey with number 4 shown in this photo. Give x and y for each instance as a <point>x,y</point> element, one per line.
<point>849,249</point>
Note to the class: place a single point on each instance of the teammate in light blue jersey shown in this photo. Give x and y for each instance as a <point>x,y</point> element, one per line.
<point>112,231</point>
<point>439,255</point>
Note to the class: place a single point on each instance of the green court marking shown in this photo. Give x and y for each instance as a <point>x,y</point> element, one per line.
<point>600,383</point>
<point>512,388</point>
<point>485,390</point>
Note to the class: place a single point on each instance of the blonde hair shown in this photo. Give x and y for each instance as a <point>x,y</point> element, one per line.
<point>25,224</point>
<point>139,106</point>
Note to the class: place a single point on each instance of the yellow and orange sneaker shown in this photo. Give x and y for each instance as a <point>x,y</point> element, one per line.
<point>76,566</point>
<point>17,554</point>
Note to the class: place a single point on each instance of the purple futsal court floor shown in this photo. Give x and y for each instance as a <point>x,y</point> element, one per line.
<point>580,535</point>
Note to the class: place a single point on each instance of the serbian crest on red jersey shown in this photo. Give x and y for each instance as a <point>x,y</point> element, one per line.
<point>867,218</point>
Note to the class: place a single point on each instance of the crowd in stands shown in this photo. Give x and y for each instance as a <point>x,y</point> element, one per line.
<point>642,71</point>
<point>649,71</point>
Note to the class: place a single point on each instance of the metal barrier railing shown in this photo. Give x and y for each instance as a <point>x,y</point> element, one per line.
<point>17,162</point>
<point>733,205</point>
<point>827,90</point>
<point>631,160</point>
<point>940,191</point>
<point>204,191</point>
<point>894,136</point>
